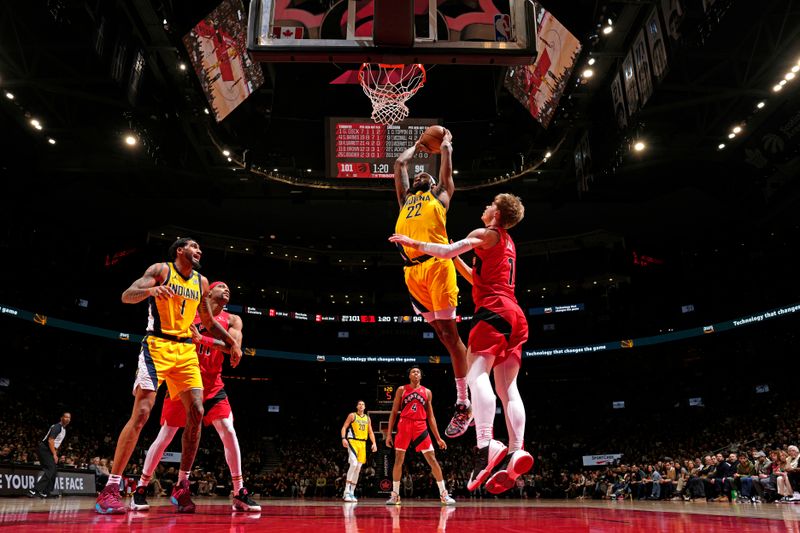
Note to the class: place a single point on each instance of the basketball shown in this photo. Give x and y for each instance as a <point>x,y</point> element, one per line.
<point>432,138</point>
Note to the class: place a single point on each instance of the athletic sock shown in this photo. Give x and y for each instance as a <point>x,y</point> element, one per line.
<point>183,474</point>
<point>461,391</point>
<point>238,483</point>
<point>114,480</point>
<point>396,487</point>
<point>442,488</point>
<point>144,480</point>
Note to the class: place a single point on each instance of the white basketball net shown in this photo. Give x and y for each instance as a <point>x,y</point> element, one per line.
<point>389,87</point>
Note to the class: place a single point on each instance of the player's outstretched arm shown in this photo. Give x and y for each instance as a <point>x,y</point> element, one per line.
<point>479,238</point>
<point>447,186</point>
<point>401,182</point>
<point>150,284</point>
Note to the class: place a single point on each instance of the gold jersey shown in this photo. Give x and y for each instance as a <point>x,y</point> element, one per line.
<point>173,316</point>
<point>359,427</point>
<point>423,218</point>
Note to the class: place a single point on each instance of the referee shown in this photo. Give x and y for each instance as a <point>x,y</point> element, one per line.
<point>48,457</point>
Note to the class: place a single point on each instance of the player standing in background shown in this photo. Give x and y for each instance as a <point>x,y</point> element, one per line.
<point>499,329</point>
<point>355,430</point>
<point>413,404</point>
<point>215,404</point>
<point>431,281</point>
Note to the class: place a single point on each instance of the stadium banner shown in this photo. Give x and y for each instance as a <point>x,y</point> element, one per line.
<point>619,103</point>
<point>601,460</point>
<point>631,87</point>
<point>642,68</point>
<point>17,480</point>
<point>658,51</point>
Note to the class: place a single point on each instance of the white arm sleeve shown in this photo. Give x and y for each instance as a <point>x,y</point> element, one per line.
<point>446,251</point>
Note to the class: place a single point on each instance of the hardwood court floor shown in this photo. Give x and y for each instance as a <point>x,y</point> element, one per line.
<point>76,514</point>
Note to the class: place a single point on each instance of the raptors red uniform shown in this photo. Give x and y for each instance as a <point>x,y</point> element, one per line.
<point>412,430</point>
<point>215,400</point>
<point>499,327</point>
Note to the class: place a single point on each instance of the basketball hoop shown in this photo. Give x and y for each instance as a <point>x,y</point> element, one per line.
<point>389,87</point>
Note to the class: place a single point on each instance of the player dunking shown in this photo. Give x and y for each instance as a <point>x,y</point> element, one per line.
<point>355,430</point>
<point>175,294</point>
<point>413,403</point>
<point>495,342</point>
<point>215,404</point>
<point>431,281</point>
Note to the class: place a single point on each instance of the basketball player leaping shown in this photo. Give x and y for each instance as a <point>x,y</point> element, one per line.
<point>175,293</point>
<point>215,404</point>
<point>355,430</point>
<point>413,404</point>
<point>431,281</point>
<point>495,342</point>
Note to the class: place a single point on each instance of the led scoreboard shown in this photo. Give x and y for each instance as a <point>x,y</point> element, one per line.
<point>359,148</point>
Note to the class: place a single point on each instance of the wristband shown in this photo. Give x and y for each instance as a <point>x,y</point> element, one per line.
<point>207,341</point>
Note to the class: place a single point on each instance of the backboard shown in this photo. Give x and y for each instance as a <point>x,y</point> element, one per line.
<point>490,32</point>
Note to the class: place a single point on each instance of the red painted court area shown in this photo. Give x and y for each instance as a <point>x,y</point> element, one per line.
<point>76,514</point>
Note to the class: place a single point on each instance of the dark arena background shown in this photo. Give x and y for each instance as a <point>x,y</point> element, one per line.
<point>654,144</point>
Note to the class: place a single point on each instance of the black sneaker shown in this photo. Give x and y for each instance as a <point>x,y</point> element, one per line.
<point>460,422</point>
<point>505,476</point>
<point>30,493</point>
<point>243,502</point>
<point>485,461</point>
<point>139,501</point>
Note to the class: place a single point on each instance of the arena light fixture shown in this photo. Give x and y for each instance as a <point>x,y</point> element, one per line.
<point>205,110</point>
<point>230,160</point>
<point>51,140</point>
<point>782,83</point>
<point>731,135</point>
<point>777,88</point>
<point>737,129</point>
<point>761,105</point>
<point>588,73</point>
<point>591,61</point>
<point>182,66</point>
<point>789,76</point>
<point>548,155</point>
<point>607,30</point>
<point>131,140</point>
<point>226,153</point>
<point>721,146</point>
<point>796,69</point>
<point>36,124</point>
<point>639,146</point>
<point>308,170</point>
<point>455,171</point>
<point>9,95</point>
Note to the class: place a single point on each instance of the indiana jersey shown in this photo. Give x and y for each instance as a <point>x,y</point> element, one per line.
<point>211,359</point>
<point>413,404</point>
<point>358,427</point>
<point>493,270</point>
<point>173,316</point>
<point>423,218</point>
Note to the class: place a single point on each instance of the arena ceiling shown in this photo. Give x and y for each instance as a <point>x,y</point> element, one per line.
<point>52,63</point>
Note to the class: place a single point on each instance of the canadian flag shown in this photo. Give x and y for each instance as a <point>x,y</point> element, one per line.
<point>287,32</point>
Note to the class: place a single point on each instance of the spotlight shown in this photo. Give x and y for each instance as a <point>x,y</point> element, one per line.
<point>607,30</point>
<point>230,160</point>
<point>721,146</point>
<point>588,73</point>
<point>455,171</point>
<point>131,140</point>
<point>274,169</point>
<point>591,61</point>
<point>639,146</point>
<point>9,95</point>
<point>182,66</point>
<point>782,83</point>
<point>36,124</point>
<point>205,110</point>
<point>51,140</point>
<point>548,155</point>
<point>308,170</point>
<point>777,88</point>
<point>796,69</point>
<point>226,153</point>
<point>789,75</point>
<point>737,129</point>
<point>731,135</point>
<point>760,105</point>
